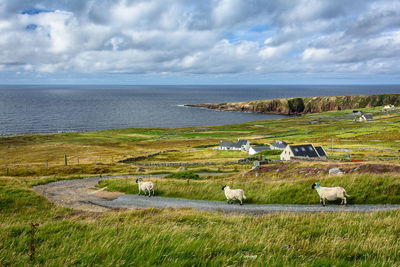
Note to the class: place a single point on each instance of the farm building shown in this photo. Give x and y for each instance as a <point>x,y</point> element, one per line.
<point>389,108</point>
<point>358,113</point>
<point>278,145</point>
<point>256,149</point>
<point>307,151</point>
<point>241,145</point>
<point>365,118</point>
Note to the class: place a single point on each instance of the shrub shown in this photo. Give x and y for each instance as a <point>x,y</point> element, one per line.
<point>184,175</point>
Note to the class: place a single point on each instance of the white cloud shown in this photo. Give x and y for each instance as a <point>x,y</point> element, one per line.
<point>202,37</point>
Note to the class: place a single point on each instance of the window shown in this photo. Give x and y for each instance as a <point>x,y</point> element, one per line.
<point>303,149</point>
<point>310,148</point>
<point>296,150</point>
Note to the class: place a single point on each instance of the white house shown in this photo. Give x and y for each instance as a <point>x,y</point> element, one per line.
<point>278,145</point>
<point>389,108</point>
<point>256,149</point>
<point>303,151</point>
<point>365,118</point>
<point>241,145</point>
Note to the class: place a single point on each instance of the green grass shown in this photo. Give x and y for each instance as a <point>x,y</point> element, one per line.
<point>183,175</point>
<point>363,188</point>
<point>155,237</point>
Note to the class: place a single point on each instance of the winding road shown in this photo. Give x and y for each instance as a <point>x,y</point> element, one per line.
<point>80,194</point>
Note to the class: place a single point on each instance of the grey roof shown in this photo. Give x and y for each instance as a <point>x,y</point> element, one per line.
<point>237,144</point>
<point>279,144</point>
<point>241,142</point>
<point>304,151</point>
<point>368,117</point>
<point>260,148</point>
<point>358,111</point>
<point>320,151</point>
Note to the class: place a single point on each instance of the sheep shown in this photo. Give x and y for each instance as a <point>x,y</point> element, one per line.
<point>330,193</point>
<point>233,194</point>
<point>145,186</point>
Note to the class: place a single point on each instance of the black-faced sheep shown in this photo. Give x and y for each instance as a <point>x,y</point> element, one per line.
<point>145,187</point>
<point>330,193</point>
<point>233,194</point>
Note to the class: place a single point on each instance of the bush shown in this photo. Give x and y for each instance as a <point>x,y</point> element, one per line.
<point>184,175</point>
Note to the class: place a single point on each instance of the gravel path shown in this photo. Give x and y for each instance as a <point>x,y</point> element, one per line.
<point>77,194</point>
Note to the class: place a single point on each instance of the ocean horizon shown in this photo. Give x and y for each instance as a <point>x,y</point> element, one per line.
<point>26,109</point>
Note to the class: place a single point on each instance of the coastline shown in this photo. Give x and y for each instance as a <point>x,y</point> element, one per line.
<point>305,105</point>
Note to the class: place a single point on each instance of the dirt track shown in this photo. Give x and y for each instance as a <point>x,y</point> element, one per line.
<point>80,194</point>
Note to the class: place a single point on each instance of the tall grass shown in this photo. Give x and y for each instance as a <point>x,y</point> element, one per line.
<point>185,237</point>
<point>363,188</point>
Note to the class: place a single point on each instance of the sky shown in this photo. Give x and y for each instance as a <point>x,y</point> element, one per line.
<point>199,42</point>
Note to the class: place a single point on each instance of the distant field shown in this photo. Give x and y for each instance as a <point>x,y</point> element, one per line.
<point>99,152</point>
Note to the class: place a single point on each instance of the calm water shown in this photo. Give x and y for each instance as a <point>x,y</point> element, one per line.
<point>40,109</point>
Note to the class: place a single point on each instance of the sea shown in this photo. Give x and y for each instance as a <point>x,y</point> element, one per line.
<point>79,108</point>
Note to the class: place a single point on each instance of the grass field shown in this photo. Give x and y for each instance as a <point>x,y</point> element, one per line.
<point>363,188</point>
<point>185,237</point>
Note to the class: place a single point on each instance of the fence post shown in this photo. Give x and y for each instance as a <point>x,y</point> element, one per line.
<point>31,242</point>
<point>7,171</point>
<point>47,164</point>
<point>65,160</point>
<point>78,160</point>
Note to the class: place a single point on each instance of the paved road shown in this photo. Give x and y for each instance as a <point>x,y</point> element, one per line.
<point>77,194</point>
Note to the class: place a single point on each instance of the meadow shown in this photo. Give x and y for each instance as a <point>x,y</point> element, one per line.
<point>182,237</point>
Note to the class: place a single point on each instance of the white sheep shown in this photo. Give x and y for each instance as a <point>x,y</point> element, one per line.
<point>233,194</point>
<point>145,186</point>
<point>330,193</point>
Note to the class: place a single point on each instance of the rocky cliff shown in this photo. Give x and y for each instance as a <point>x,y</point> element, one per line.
<point>303,105</point>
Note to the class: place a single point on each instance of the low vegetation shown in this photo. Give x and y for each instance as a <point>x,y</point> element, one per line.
<point>364,188</point>
<point>186,237</point>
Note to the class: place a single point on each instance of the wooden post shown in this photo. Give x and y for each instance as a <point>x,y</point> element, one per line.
<point>31,242</point>
<point>47,164</point>
<point>78,160</point>
<point>7,171</point>
<point>65,160</point>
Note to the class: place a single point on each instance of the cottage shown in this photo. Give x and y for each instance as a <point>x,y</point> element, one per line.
<point>365,118</point>
<point>256,149</point>
<point>241,145</point>
<point>278,145</point>
<point>389,108</point>
<point>307,151</point>
<point>357,113</point>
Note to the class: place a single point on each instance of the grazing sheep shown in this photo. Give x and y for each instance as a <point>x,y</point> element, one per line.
<point>233,194</point>
<point>145,186</point>
<point>330,193</point>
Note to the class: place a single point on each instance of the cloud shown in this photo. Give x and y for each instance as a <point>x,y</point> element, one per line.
<point>211,37</point>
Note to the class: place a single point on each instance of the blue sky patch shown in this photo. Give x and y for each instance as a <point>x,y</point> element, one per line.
<point>31,27</point>
<point>34,11</point>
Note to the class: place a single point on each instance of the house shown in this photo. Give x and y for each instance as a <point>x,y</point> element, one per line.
<point>365,118</point>
<point>241,145</point>
<point>389,108</point>
<point>307,151</point>
<point>256,149</point>
<point>278,145</point>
